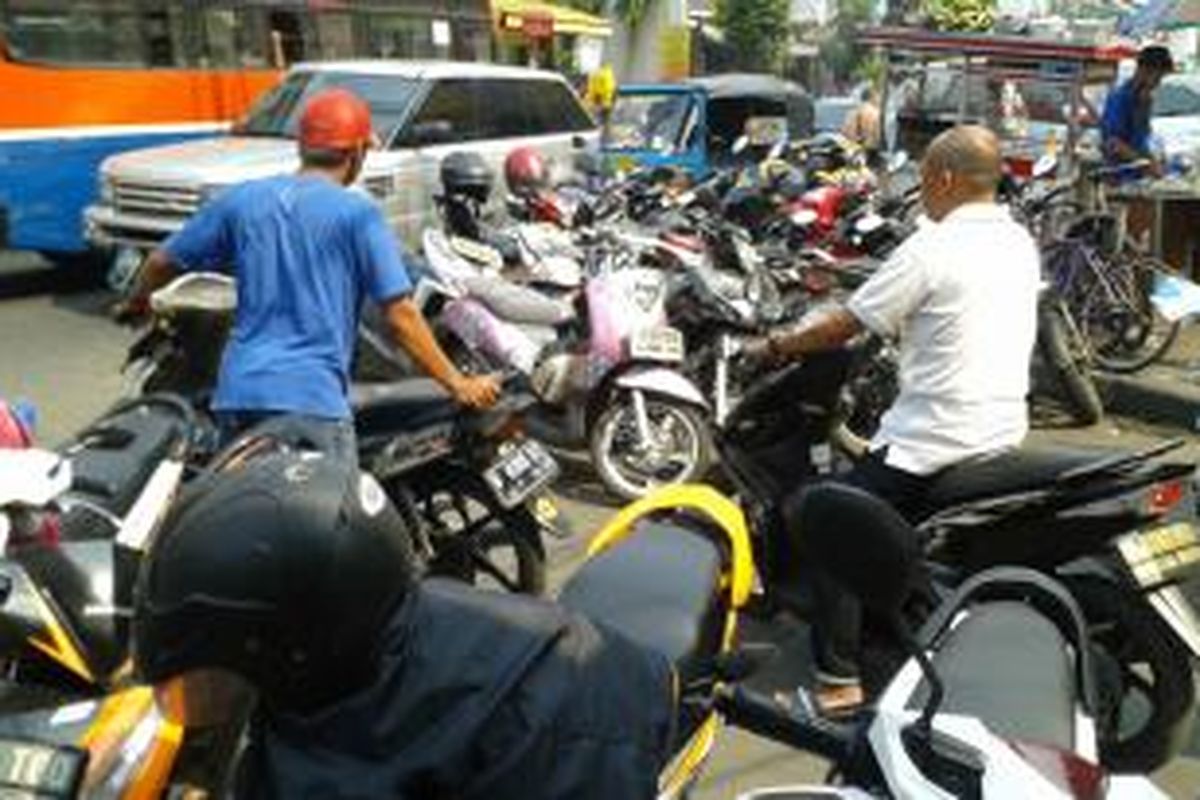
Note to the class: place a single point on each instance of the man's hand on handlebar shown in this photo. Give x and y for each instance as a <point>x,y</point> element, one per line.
<point>476,391</point>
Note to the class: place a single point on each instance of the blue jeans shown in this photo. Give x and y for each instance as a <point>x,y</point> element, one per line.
<point>334,437</point>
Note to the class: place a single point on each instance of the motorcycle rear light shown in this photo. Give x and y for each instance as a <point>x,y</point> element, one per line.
<point>1164,497</point>
<point>1079,778</point>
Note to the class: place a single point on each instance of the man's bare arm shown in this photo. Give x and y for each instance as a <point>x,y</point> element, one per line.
<point>822,329</point>
<point>411,332</point>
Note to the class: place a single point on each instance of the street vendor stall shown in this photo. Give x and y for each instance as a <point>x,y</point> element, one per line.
<point>1034,94</point>
<point>1030,91</point>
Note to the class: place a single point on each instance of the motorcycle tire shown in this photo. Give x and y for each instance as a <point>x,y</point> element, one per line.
<point>466,544</point>
<point>1068,366</point>
<point>612,422</point>
<point>1130,636</point>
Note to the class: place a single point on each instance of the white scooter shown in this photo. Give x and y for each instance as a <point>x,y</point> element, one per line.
<point>997,700</point>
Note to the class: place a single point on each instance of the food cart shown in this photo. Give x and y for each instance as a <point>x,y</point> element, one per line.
<point>969,72</point>
<point>948,78</point>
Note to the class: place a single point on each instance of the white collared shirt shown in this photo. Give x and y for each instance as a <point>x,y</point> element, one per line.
<point>961,298</point>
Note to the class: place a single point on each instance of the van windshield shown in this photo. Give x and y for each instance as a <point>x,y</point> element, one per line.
<point>657,122</point>
<point>277,113</point>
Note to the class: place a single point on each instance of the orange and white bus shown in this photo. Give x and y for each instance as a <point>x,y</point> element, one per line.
<point>82,80</point>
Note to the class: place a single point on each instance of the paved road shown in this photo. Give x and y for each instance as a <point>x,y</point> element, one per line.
<point>58,349</point>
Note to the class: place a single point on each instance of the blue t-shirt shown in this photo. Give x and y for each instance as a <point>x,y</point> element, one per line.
<point>306,253</point>
<point>1126,117</point>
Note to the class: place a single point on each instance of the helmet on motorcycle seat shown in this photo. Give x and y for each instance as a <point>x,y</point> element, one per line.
<point>466,174</point>
<point>525,171</point>
<point>278,571</point>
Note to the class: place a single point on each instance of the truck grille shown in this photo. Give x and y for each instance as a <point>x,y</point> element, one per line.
<point>142,198</point>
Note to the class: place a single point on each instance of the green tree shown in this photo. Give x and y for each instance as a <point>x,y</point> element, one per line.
<point>961,15</point>
<point>839,49</point>
<point>757,30</point>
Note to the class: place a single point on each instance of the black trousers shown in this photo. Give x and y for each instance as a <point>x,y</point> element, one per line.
<point>837,613</point>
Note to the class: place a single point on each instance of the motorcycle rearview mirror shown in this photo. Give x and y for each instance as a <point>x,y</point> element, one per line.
<point>1045,166</point>
<point>878,567</point>
<point>740,144</point>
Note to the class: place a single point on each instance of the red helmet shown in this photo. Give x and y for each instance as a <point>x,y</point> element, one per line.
<point>335,119</point>
<point>525,170</point>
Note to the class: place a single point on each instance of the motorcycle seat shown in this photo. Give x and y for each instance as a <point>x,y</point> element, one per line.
<point>661,588</point>
<point>1032,698</point>
<point>399,406</point>
<point>120,453</point>
<point>1007,472</point>
<point>519,304</point>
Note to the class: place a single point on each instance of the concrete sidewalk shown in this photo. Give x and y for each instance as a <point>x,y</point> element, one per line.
<point>1165,393</point>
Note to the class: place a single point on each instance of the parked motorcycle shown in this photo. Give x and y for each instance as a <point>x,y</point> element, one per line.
<point>66,593</point>
<point>473,488</point>
<point>669,573</point>
<point>949,724</point>
<point>1102,522</point>
<point>604,365</point>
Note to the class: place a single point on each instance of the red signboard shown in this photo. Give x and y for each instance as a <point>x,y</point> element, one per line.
<point>537,24</point>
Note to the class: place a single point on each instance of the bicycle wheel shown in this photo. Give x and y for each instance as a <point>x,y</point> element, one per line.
<point>1124,329</point>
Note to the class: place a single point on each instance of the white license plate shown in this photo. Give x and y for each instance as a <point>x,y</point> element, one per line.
<point>521,470</point>
<point>1161,555</point>
<point>657,344</point>
<point>35,770</point>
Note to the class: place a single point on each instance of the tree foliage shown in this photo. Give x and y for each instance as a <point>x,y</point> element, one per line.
<point>839,49</point>
<point>960,15</point>
<point>757,30</point>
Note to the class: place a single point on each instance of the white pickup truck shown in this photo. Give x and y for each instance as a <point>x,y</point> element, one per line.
<point>420,110</point>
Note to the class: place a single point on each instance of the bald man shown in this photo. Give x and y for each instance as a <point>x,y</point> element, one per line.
<point>960,296</point>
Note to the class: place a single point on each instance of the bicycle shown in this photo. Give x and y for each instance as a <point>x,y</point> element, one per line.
<point>1106,281</point>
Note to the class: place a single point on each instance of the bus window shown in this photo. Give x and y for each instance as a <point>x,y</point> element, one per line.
<point>69,32</point>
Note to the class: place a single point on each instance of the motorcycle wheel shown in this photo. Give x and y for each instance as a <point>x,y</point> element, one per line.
<point>1154,669</point>
<point>477,541</point>
<point>1064,356</point>
<point>682,453</point>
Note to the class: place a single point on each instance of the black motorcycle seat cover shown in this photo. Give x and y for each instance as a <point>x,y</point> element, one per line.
<point>411,403</point>
<point>1010,471</point>
<point>1009,666</point>
<point>115,476</point>
<point>660,587</point>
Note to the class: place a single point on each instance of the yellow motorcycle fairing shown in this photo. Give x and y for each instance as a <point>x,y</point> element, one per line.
<point>738,581</point>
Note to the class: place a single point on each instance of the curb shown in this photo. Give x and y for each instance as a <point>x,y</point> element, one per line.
<point>1159,396</point>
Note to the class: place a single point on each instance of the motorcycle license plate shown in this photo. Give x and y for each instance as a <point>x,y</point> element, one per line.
<point>1161,555</point>
<point>521,470</point>
<point>35,770</point>
<point>657,344</point>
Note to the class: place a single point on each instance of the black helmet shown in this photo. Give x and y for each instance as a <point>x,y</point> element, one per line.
<point>281,569</point>
<point>466,174</point>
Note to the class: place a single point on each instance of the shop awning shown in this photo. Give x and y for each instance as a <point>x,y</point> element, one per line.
<point>539,20</point>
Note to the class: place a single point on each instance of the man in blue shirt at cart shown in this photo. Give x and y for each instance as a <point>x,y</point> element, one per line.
<point>306,253</point>
<point>1125,126</point>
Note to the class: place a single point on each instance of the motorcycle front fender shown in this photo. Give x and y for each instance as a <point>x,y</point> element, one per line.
<point>662,381</point>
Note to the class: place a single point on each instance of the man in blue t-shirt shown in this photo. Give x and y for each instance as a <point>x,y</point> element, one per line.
<point>1125,126</point>
<point>306,252</point>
